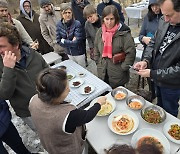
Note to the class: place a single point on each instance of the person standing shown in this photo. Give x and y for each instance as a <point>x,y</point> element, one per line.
<point>150,23</point>
<point>49,17</point>
<point>114,49</point>
<point>5,16</point>
<point>161,60</point>
<point>104,3</point>
<point>30,20</point>
<point>8,132</point>
<point>60,125</point>
<point>70,35</point>
<point>77,9</point>
<point>19,66</point>
<point>92,25</point>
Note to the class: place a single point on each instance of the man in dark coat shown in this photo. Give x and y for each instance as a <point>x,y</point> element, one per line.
<point>105,3</point>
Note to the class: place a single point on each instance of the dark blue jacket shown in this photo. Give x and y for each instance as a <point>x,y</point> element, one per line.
<point>76,47</point>
<point>102,5</point>
<point>5,117</point>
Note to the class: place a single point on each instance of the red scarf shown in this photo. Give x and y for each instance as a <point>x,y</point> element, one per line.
<point>107,35</point>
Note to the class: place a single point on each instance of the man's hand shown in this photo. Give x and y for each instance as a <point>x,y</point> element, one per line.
<point>146,40</point>
<point>140,65</point>
<point>92,53</point>
<point>102,100</point>
<point>34,45</point>
<point>9,59</point>
<point>144,73</point>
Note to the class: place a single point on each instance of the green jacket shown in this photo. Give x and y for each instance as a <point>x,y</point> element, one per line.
<point>121,41</point>
<point>18,84</point>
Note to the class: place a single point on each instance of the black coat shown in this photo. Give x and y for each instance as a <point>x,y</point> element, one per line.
<point>34,31</point>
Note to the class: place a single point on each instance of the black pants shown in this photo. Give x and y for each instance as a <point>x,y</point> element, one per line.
<point>11,138</point>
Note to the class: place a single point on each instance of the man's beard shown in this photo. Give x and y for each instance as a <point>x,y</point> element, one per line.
<point>4,19</point>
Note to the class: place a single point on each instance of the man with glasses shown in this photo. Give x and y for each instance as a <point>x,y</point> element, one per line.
<point>6,17</point>
<point>162,57</point>
<point>48,19</point>
<point>30,20</point>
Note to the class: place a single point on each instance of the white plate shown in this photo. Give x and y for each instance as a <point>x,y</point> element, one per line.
<point>166,128</point>
<point>81,89</point>
<point>154,133</point>
<point>123,112</point>
<point>72,74</point>
<point>110,100</point>
<point>76,80</point>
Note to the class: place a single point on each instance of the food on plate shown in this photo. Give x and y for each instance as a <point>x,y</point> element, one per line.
<point>105,109</point>
<point>69,76</point>
<point>122,123</point>
<point>120,95</point>
<point>87,89</point>
<point>81,74</point>
<point>76,83</point>
<point>135,105</point>
<point>150,140</point>
<point>152,116</point>
<point>174,131</point>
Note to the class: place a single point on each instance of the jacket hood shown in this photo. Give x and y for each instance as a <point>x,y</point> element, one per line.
<point>109,3</point>
<point>23,11</point>
<point>152,2</point>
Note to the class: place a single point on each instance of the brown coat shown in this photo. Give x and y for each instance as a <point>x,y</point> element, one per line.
<point>122,41</point>
<point>49,120</point>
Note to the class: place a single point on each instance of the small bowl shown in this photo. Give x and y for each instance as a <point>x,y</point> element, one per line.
<point>62,67</point>
<point>81,74</point>
<point>119,94</point>
<point>135,102</point>
<point>150,110</point>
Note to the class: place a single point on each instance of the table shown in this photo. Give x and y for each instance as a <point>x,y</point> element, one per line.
<point>101,137</point>
<point>51,58</point>
<point>74,96</point>
<point>136,11</point>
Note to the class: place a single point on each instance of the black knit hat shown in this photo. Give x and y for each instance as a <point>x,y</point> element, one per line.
<point>44,2</point>
<point>3,4</point>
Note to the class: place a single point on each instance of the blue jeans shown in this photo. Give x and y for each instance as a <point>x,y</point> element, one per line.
<point>11,137</point>
<point>168,99</point>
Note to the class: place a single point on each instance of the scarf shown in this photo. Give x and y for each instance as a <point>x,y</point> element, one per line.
<point>107,35</point>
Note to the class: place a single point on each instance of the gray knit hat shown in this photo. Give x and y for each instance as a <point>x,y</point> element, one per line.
<point>44,2</point>
<point>65,6</point>
<point>3,4</point>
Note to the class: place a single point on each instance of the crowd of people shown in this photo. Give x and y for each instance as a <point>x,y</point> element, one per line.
<point>36,92</point>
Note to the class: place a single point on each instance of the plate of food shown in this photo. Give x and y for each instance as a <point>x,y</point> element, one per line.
<point>123,122</point>
<point>86,89</point>
<point>119,93</point>
<point>107,108</point>
<point>76,82</point>
<point>172,131</point>
<point>151,136</point>
<point>70,76</point>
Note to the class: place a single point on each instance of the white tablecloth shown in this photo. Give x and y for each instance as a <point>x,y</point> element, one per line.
<point>136,10</point>
<point>74,96</point>
<point>101,137</point>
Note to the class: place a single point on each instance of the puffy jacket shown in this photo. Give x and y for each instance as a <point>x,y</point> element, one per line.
<point>167,73</point>
<point>75,47</point>
<point>102,5</point>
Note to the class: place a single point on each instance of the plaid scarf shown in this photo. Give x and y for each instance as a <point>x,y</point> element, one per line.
<point>107,35</point>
